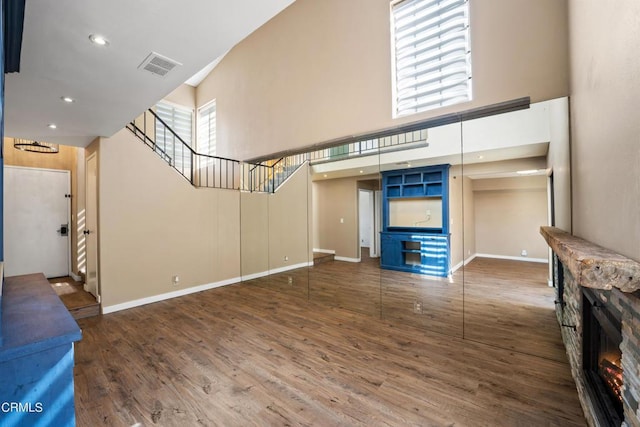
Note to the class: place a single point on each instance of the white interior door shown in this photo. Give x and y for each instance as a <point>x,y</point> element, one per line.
<point>36,221</point>
<point>366,217</point>
<point>91,226</point>
<point>377,222</point>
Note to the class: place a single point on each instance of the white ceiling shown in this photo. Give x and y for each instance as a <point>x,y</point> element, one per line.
<point>59,60</point>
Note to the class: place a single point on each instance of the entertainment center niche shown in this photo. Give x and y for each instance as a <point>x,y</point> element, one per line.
<point>415,215</point>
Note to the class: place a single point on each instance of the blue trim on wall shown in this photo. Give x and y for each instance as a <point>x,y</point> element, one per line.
<point>3,5</point>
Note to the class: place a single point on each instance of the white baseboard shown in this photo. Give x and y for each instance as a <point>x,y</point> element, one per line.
<point>460,264</point>
<point>514,258</point>
<point>550,283</point>
<point>290,267</point>
<point>168,295</point>
<point>276,270</point>
<point>75,276</point>
<point>347,259</point>
<point>324,251</point>
<point>255,275</point>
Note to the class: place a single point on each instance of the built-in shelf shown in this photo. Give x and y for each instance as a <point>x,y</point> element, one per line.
<point>415,212</point>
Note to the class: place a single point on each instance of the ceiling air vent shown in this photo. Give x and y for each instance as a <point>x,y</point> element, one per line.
<point>158,64</point>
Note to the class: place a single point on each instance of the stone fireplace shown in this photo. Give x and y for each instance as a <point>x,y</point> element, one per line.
<point>598,308</point>
<point>602,356</point>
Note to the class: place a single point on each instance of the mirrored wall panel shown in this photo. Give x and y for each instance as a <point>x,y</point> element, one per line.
<point>274,212</point>
<point>345,227</point>
<point>437,227</point>
<point>508,164</point>
<point>421,231</point>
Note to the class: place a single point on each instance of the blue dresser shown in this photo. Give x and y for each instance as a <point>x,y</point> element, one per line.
<point>415,236</point>
<point>36,355</point>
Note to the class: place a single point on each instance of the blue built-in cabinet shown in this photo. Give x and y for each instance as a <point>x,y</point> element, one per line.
<point>415,215</point>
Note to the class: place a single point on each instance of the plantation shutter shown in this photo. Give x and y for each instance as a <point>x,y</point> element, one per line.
<point>432,54</point>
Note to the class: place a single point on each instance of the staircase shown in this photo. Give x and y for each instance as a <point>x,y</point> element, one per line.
<point>203,170</point>
<point>268,176</point>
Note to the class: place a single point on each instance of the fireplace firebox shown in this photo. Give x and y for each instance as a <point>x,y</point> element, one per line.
<point>601,341</point>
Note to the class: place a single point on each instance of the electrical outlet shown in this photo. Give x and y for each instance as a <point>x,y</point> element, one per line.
<point>286,258</point>
<point>417,307</point>
<point>290,280</point>
<point>523,253</point>
<point>175,280</point>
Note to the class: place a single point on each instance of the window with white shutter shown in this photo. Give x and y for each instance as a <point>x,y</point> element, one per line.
<point>431,54</point>
<point>207,129</point>
<point>180,120</point>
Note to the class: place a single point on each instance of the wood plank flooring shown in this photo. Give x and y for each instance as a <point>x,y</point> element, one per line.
<point>79,302</point>
<point>260,353</point>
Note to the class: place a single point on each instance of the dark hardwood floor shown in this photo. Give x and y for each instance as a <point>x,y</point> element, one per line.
<point>79,302</point>
<point>275,352</point>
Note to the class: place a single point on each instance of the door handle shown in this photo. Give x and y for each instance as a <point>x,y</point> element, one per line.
<point>86,232</point>
<point>64,230</point>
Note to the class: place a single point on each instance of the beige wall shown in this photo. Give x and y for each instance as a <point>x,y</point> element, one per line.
<point>605,125</point>
<point>183,95</point>
<point>469,220</point>
<point>508,215</point>
<point>559,161</point>
<point>321,70</point>
<point>153,225</point>
<point>66,159</point>
<point>456,218</point>
<point>288,222</point>
<point>334,199</point>
<point>254,237</point>
<point>275,226</point>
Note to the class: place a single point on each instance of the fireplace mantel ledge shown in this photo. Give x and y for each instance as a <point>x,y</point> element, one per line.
<point>591,265</point>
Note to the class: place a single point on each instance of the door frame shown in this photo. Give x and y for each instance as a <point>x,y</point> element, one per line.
<point>373,249</point>
<point>89,158</point>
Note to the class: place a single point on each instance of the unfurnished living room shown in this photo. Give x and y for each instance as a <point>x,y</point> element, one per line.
<point>320,212</point>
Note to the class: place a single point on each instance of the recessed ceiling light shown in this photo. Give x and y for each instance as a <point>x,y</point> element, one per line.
<point>67,99</point>
<point>325,175</point>
<point>361,171</point>
<point>99,40</point>
<point>52,126</point>
<point>481,157</point>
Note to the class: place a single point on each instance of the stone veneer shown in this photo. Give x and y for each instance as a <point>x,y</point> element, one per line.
<point>628,306</point>
<point>606,275</point>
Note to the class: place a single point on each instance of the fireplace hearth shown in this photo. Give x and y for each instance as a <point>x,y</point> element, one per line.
<point>601,353</point>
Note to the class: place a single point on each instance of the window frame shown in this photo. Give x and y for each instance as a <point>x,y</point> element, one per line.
<point>199,147</point>
<point>397,110</point>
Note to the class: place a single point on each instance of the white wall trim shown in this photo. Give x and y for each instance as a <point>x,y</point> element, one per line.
<point>347,259</point>
<point>276,270</point>
<point>75,276</point>
<point>168,295</point>
<point>290,267</point>
<point>458,265</point>
<point>514,258</point>
<point>255,275</point>
<point>324,251</point>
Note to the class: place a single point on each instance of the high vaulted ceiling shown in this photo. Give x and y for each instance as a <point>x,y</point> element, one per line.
<point>109,90</point>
